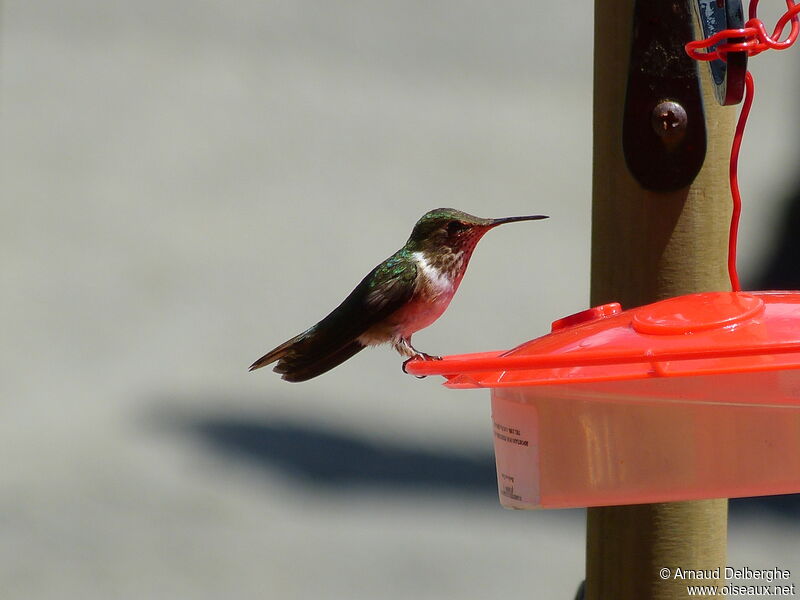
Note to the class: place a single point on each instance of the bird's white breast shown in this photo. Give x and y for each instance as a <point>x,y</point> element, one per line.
<point>438,282</point>
<point>432,294</point>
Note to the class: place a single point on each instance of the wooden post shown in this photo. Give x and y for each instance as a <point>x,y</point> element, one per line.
<point>648,246</point>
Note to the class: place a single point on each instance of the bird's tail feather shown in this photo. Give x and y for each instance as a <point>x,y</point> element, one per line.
<point>309,367</point>
<point>273,355</point>
<point>309,354</point>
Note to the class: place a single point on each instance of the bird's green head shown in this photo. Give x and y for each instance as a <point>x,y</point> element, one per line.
<point>448,229</point>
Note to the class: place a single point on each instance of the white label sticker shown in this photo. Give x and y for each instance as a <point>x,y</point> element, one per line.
<point>516,451</point>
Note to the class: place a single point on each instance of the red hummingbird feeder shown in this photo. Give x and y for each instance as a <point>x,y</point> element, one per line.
<point>692,397</point>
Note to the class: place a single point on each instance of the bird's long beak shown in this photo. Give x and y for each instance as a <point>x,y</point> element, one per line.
<point>496,222</point>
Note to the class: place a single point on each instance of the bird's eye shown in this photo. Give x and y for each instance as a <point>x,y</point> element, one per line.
<point>453,227</point>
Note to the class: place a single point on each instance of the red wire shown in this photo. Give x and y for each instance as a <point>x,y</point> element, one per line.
<point>754,41</point>
<point>734,179</point>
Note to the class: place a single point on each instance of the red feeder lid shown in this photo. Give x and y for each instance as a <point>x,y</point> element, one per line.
<point>714,333</point>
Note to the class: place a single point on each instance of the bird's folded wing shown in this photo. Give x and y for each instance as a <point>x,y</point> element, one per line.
<point>335,339</point>
<point>387,288</point>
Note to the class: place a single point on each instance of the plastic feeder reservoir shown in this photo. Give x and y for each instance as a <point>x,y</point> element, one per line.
<point>688,398</point>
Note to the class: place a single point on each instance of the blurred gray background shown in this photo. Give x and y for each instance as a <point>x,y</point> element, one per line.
<point>188,184</point>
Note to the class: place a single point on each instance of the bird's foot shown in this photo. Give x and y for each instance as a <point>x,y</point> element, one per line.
<point>419,356</point>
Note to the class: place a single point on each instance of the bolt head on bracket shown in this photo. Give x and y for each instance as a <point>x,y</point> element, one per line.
<point>663,127</point>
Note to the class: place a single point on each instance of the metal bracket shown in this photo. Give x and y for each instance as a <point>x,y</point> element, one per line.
<point>663,128</point>
<point>713,16</point>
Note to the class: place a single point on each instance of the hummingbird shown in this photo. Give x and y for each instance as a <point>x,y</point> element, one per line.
<point>405,293</point>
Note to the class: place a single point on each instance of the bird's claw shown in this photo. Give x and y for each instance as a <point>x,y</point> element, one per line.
<point>419,356</point>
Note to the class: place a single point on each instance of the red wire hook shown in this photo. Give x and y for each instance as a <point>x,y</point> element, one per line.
<point>755,40</point>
